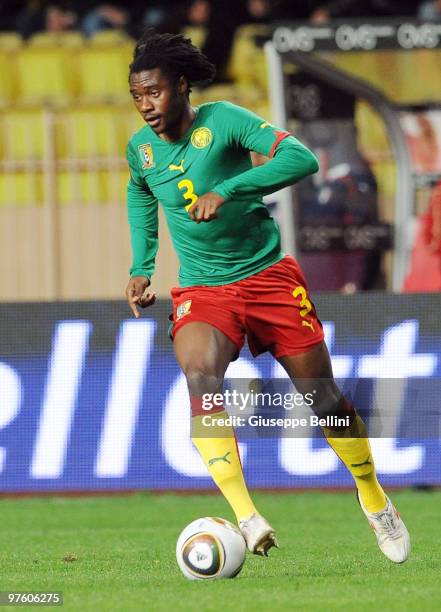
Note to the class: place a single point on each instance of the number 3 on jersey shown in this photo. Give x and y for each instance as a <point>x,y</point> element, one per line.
<point>306,306</point>
<point>189,193</point>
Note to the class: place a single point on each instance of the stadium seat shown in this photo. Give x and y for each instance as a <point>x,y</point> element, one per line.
<point>92,187</point>
<point>47,75</point>
<point>57,39</point>
<point>21,189</point>
<point>111,38</point>
<point>104,72</point>
<point>247,64</point>
<point>22,134</point>
<point>8,78</point>
<point>86,132</point>
<point>96,131</point>
<point>82,187</point>
<point>372,135</point>
<point>385,173</point>
<point>241,94</point>
<point>197,34</point>
<point>9,41</point>
<point>419,75</point>
<point>130,122</point>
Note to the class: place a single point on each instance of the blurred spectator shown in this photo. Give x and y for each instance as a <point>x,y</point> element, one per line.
<point>342,194</point>
<point>59,20</point>
<point>31,18</point>
<point>430,10</point>
<point>168,16</point>
<point>225,17</point>
<point>105,17</point>
<point>425,264</point>
<point>199,12</point>
<point>38,15</point>
<point>424,140</point>
<point>259,10</point>
<point>8,13</point>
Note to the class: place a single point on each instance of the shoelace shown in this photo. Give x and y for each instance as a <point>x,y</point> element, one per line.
<point>388,526</point>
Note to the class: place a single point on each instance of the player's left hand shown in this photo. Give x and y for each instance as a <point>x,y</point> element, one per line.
<point>205,208</point>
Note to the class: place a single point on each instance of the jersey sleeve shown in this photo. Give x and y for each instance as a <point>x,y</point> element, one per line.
<point>142,209</point>
<point>243,128</point>
<point>290,160</point>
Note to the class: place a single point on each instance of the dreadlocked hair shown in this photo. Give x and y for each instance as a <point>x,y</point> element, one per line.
<point>174,55</point>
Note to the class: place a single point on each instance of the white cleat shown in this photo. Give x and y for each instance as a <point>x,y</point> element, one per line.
<point>258,534</point>
<point>390,531</point>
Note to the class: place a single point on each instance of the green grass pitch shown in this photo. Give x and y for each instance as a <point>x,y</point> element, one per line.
<point>122,554</point>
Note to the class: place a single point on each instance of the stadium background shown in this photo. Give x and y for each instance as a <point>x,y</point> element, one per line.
<point>93,400</point>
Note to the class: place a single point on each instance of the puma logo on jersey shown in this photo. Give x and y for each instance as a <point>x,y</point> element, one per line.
<point>175,167</point>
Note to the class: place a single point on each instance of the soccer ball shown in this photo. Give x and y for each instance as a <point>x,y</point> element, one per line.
<point>209,548</point>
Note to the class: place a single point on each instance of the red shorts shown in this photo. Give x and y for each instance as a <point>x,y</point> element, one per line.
<point>271,308</point>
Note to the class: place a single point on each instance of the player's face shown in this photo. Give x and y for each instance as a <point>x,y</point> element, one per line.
<point>160,102</point>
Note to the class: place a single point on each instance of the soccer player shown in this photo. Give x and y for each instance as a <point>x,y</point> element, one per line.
<point>234,279</point>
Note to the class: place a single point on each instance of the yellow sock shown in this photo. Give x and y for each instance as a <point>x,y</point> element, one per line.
<point>222,459</point>
<point>355,452</point>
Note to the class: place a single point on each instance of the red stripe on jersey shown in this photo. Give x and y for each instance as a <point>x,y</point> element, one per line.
<point>279,137</point>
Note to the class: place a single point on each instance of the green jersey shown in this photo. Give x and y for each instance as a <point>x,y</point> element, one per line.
<point>214,155</point>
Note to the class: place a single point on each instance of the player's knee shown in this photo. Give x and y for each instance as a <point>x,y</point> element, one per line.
<point>336,409</point>
<point>202,379</point>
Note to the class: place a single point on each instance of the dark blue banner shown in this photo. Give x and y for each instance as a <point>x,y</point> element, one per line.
<point>91,399</point>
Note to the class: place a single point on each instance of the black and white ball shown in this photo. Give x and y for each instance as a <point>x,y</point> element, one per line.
<point>210,548</point>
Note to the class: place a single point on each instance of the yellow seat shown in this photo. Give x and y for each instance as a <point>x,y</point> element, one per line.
<point>385,174</point>
<point>419,75</point>
<point>131,121</point>
<point>92,187</point>
<point>21,188</point>
<point>197,34</point>
<point>8,78</point>
<point>82,187</point>
<point>372,135</point>
<point>104,73</point>
<point>243,95</point>
<point>46,75</point>
<point>402,76</point>
<point>23,134</point>
<point>96,131</point>
<point>111,38</point>
<point>57,39</point>
<point>10,41</point>
<point>86,132</point>
<point>116,186</point>
<point>247,64</point>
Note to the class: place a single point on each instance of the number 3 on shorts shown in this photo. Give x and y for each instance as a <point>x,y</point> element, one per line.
<point>189,193</point>
<point>305,304</point>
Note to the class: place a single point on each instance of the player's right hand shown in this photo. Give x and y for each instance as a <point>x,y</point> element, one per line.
<point>137,294</point>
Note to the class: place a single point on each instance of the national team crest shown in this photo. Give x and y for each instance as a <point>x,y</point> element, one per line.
<point>146,155</point>
<point>201,137</point>
<point>183,309</point>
